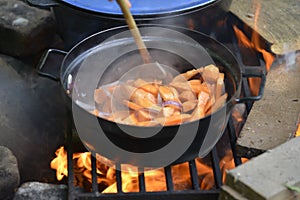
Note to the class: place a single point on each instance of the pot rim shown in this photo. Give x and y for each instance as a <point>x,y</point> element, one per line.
<point>139,8</point>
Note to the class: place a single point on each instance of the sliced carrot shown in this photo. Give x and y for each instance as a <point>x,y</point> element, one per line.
<point>168,111</point>
<point>107,108</point>
<point>187,75</point>
<point>209,104</point>
<point>220,85</point>
<point>219,102</point>
<point>199,111</point>
<point>142,94</point>
<point>150,88</point>
<point>189,105</point>
<point>100,96</point>
<point>146,103</point>
<point>210,73</point>
<point>143,115</point>
<point>147,123</point>
<point>187,96</point>
<point>131,119</point>
<point>173,120</point>
<point>140,82</point>
<point>119,116</point>
<point>181,86</point>
<point>165,93</point>
<point>197,88</point>
<point>95,112</point>
<point>132,105</point>
<point>152,103</point>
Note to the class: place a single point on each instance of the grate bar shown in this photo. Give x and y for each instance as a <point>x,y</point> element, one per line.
<point>216,167</point>
<point>119,179</point>
<point>71,187</point>
<point>174,195</point>
<point>232,140</point>
<point>194,175</point>
<point>94,174</point>
<point>169,181</point>
<point>142,185</point>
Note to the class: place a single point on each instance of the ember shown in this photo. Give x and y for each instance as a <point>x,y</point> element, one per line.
<point>155,180</point>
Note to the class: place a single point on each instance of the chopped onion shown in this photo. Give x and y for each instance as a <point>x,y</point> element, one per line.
<point>172,103</point>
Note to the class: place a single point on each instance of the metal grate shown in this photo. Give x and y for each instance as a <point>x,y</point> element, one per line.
<point>194,193</point>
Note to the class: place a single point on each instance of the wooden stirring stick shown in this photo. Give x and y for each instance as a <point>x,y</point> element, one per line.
<point>135,31</point>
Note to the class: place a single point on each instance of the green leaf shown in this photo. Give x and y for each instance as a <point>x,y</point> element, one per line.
<point>293,188</point>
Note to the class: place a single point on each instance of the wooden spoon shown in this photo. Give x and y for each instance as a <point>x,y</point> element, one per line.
<point>135,31</point>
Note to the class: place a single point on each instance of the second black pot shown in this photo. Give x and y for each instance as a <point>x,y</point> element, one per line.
<point>76,20</point>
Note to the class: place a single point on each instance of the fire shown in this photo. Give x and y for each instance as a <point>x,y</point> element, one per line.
<point>298,131</point>
<point>254,43</point>
<point>60,163</point>
<point>155,180</point>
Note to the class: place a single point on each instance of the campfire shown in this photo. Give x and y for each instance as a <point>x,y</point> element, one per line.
<point>155,180</point>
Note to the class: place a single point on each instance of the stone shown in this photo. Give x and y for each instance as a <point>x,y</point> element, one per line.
<point>31,118</point>
<point>277,21</point>
<point>273,120</point>
<point>41,191</point>
<point>9,173</point>
<point>24,30</point>
<point>270,176</point>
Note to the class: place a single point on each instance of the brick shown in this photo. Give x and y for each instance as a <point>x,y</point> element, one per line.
<point>273,120</point>
<point>24,30</point>
<point>265,177</point>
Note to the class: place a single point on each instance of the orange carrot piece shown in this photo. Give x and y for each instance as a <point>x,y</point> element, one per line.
<point>173,120</point>
<point>147,123</point>
<point>189,105</point>
<point>210,73</point>
<point>166,93</point>
<point>131,119</point>
<point>119,116</point>
<point>187,75</point>
<point>209,104</point>
<point>187,96</point>
<point>139,83</point>
<point>181,86</point>
<point>142,94</point>
<point>143,115</point>
<point>150,88</point>
<point>168,111</point>
<point>100,96</point>
<point>219,102</point>
<point>146,103</point>
<point>199,111</point>
<point>132,105</point>
<point>197,88</point>
<point>220,85</point>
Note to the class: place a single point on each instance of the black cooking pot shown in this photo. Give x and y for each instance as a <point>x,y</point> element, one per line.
<point>191,139</point>
<point>77,19</point>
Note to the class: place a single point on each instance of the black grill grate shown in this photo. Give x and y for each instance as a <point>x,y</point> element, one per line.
<point>195,193</point>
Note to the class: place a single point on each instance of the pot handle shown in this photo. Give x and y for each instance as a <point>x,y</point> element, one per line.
<point>50,63</point>
<point>251,72</point>
<point>42,3</point>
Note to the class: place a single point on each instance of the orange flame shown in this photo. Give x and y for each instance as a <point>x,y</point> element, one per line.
<point>60,163</point>
<point>254,43</point>
<point>155,180</point>
<point>298,131</point>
